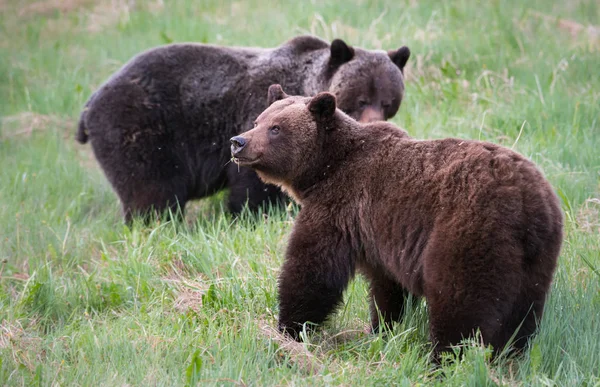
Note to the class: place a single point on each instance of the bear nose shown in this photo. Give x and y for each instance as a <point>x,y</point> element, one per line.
<point>370,115</point>
<point>237,144</point>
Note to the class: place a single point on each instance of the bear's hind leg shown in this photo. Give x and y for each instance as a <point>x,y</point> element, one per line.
<point>537,279</point>
<point>153,200</point>
<point>471,288</point>
<point>523,321</point>
<point>449,324</point>
<point>133,140</point>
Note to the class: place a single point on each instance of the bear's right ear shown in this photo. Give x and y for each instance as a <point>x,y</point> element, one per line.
<point>275,93</point>
<point>322,106</point>
<point>400,57</point>
<point>340,53</point>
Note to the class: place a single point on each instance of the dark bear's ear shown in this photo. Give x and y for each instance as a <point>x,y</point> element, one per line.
<point>322,106</point>
<point>340,53</point>
<point>400,57</point>
<point>275,94</point>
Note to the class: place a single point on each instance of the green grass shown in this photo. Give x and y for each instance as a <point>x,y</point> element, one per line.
<point>87,301</point>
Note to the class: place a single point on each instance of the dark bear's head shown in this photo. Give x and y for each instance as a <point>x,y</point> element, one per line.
<point>289,138</point>
<point>368,85</point>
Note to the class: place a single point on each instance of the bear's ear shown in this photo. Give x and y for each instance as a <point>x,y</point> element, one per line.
<point>322,106</point>
<point>340,53</point>
<point>400,57</point>
<point>275,94</point>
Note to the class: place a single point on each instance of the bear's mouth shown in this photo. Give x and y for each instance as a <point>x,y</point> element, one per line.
<point>245,161</point>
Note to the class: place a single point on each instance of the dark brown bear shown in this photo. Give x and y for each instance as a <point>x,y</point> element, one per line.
<point>473,227</point>
<point>160,126</point>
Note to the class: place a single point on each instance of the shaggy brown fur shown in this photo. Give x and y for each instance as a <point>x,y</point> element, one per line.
<point>159,126</point>
<point>473,227</point>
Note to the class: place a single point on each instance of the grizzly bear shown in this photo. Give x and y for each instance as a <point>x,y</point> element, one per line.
<point>473,227</point>
<point>160,126</point>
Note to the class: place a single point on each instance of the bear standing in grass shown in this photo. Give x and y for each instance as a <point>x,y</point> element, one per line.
<point>160,126</point>
<point>473,227</point>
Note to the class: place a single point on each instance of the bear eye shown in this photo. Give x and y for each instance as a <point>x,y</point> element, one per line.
<point>386,104</point>
<point>362,103</point>
<point>275,129</point>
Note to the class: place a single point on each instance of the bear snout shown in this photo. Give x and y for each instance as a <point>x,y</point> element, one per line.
<point>237,144</point>
<point>371,114</point>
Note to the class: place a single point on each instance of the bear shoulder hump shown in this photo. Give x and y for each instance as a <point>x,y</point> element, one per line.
<point>306,43</point>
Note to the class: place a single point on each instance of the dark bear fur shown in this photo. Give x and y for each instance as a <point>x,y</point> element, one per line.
<point>160,126</point>
<point>473,227</point>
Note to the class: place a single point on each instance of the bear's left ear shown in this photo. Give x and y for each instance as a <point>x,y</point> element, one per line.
<point>340,53</point>
<point>400,57</point>
<point>322,106</point>
<point>275,93</point>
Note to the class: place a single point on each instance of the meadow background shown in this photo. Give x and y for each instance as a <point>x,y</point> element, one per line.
<point>86,301</point>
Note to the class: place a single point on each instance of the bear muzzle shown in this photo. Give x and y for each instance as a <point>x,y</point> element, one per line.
<point>371,114</point>
<point>237,145</point>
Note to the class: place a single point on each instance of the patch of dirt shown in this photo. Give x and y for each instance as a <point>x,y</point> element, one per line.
<point>295,351</point>
<point>50,7</point>
<point>102,14</point>
<point>367,38</point>
<point>188,291</point>
<point>571,27</point>
<point>226,13</point>
<point>585,36</point>
<point>109,13</point>
<point>25,123</point>
<point>24,348</point>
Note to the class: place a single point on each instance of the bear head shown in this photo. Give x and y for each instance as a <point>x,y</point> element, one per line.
<point>368,85</point>
<point>291,138</point>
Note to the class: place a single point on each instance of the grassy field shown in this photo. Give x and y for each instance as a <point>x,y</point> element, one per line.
<point>87,301</point>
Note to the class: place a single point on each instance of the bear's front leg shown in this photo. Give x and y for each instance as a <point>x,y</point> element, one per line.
<point>317,268</point>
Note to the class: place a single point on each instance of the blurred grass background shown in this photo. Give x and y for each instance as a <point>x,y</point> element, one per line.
<point>86,301</point>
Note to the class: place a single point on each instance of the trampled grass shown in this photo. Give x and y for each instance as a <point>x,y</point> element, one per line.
<point>87,301</point>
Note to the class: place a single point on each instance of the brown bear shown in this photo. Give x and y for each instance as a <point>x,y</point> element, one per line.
<point>160,126</point>
<point>473,227</point>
